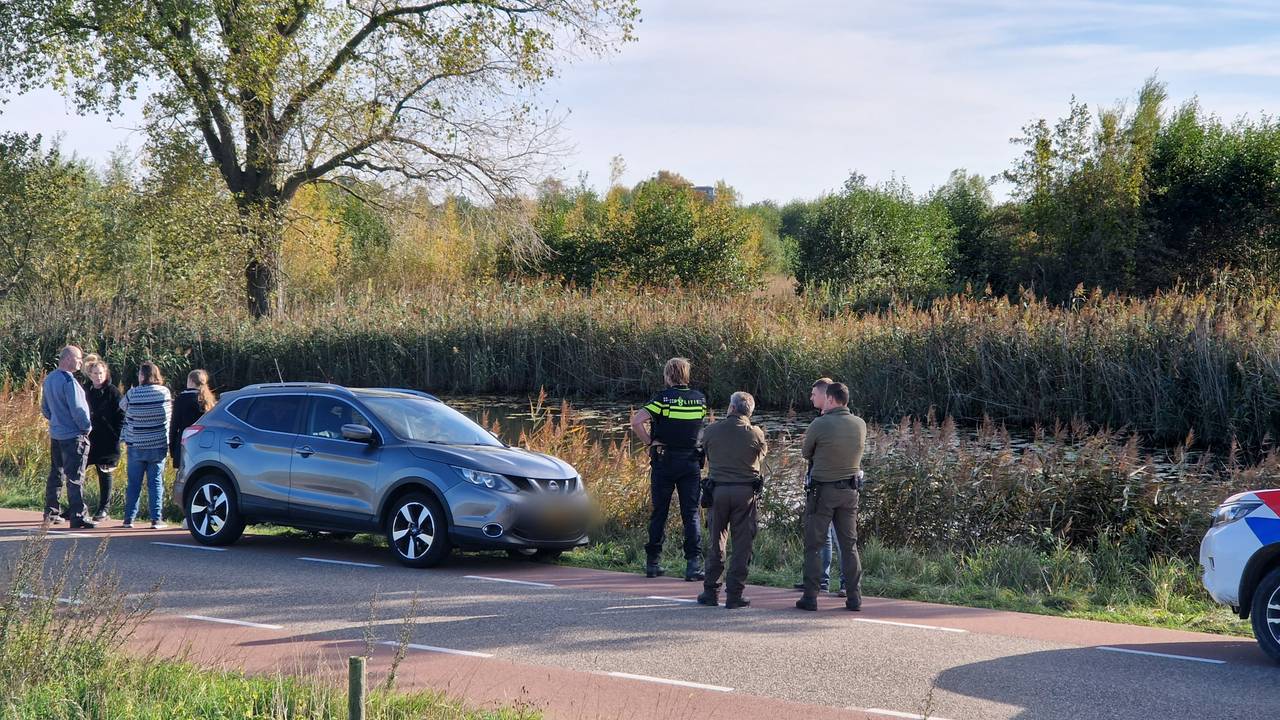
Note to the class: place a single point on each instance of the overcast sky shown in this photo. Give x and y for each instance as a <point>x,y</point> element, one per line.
<point>785,99</point>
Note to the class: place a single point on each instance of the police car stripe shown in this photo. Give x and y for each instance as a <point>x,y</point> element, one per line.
<point>1266,529</point>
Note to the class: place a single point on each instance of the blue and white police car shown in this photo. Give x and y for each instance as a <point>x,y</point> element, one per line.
<point>1241,559</point>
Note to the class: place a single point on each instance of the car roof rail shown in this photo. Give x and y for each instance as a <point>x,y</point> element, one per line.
<point>296,386</point>
<point>406,391</point>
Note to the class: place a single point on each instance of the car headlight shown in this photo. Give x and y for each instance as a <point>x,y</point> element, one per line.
<point>1231,512</point>
<point>492,481</point>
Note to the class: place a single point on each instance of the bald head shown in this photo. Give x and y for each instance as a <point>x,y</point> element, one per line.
<point>69,358</point>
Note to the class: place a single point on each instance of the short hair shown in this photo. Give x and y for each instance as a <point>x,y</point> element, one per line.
<point>742,403</point>
<point>66,352</point>
<point>677,371</point>
<point>838,392</point>
<point>822,382</point>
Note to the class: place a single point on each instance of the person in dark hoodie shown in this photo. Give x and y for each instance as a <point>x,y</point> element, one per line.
<point>104,439</point>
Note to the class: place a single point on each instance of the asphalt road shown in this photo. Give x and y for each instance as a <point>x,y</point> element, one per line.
<point>584,643</point>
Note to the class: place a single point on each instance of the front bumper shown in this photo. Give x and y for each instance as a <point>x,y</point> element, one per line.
<point>517,520</point>
<point>1224,552</point>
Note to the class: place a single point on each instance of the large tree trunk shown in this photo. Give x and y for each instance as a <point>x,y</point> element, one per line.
<point>262,231</point>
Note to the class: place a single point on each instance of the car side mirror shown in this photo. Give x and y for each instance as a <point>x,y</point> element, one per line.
<point>357,433</point>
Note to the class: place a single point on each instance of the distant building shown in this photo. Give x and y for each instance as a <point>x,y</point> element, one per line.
<point>707,191</point>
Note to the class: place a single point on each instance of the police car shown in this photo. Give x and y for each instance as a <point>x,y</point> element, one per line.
<point>1241,559</point>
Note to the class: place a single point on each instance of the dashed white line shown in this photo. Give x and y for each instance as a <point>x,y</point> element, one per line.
<point>339,562</point>
<point>896,714</point>
<point>911,625</point>
<point>672,599</point>
<point>668,681</point>
<point>64,601</point>
<point>189,547</point>
<point>505,580</point>
<point>1163,655</point>
<point>433,648</point>
<point>242,623</point>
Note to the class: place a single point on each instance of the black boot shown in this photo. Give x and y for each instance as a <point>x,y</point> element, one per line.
<point>693,570</point>
<point>808,602</point>
<point>709,596</point>
<point>652,569</point>
<point>733,603</point>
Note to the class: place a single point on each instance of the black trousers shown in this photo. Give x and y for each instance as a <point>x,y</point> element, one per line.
<point>676,471</point>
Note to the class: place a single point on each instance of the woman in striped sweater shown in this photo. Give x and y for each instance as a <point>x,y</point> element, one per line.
<point>148,409</point>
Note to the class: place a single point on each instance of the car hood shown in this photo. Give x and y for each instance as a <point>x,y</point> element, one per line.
<point>503,460</point>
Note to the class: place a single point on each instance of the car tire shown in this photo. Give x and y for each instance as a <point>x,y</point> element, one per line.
<point>417,531</point>
<point>1266,614</point>
<point>213,511</point>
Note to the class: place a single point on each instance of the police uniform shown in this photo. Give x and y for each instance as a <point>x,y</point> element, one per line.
<point>678,414</point>
<point>734,448</point>
<point>833,443</point>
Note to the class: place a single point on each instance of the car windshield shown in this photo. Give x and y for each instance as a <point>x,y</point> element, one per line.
<point>414,418</point>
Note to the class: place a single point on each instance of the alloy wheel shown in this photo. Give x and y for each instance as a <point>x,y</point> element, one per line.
<point>1273,614</point>
<point>413,530</point>
<point>208,510</point>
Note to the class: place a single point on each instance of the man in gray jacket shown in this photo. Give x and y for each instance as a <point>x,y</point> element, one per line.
<point>64,405</point>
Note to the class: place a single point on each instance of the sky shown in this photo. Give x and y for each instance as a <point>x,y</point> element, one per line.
<point>784,100</point>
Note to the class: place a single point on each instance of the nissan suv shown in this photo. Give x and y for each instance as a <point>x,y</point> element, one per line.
<point>348,460</point>
<point>1241,559</point>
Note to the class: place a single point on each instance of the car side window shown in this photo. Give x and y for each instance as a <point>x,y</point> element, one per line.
<point>240,409</point>
<point>275,413</point>
<point>328,415</point>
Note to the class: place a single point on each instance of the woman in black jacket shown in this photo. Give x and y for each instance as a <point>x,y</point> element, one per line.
<point>106,420</point>
<point>188,406</point>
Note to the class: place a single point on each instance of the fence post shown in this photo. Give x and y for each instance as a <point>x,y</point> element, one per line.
<point>355,688</point>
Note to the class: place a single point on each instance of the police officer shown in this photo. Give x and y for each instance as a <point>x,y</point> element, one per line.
<point>833,444</point>
<point>734,448</point>
<point>676,416</point>
<point>817,396</point>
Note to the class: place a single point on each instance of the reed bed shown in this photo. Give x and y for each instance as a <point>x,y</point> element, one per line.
<point>1205,365</point>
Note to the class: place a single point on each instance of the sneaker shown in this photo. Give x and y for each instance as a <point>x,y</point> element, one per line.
<point>157,525</point>
<point>800,586</point>
<point>127,524</point>
<point>53,518</point>
<point>841,593</point>
<point>78,523</point>
<point>100,516</point>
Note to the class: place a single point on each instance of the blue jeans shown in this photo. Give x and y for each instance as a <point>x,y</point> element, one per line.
<point>826,556</point>
<point>149,462</point>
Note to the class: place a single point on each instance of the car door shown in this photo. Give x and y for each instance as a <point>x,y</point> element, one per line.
<point>332,480</point>
<point>259,452</point>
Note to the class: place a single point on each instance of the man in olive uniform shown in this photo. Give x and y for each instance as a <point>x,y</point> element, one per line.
<point>833,446</point>
<point>734,448</point>
<point>676,416</point>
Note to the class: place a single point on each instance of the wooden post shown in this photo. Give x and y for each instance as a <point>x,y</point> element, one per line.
<point>355,688</point>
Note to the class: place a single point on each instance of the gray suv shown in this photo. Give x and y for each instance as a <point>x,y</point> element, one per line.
<point>400,462</point>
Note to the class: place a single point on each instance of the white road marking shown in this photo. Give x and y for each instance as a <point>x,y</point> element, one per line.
<point>64,601</point>
<point>667,681</point>
<point>637,607</point>
<point>672,599</point>
<point>433,648</point>
<point>189,547</point>
<point>895,713</point>
<point>1163,655</point>
<point>912,625</point>
<point>339,562</point>
<point>243,623</point>
<point>505,580</point>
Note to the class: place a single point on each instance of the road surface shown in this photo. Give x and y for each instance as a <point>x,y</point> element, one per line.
<point>582,643</point>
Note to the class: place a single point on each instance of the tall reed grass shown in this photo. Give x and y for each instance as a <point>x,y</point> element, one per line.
<point>1206,364</point>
